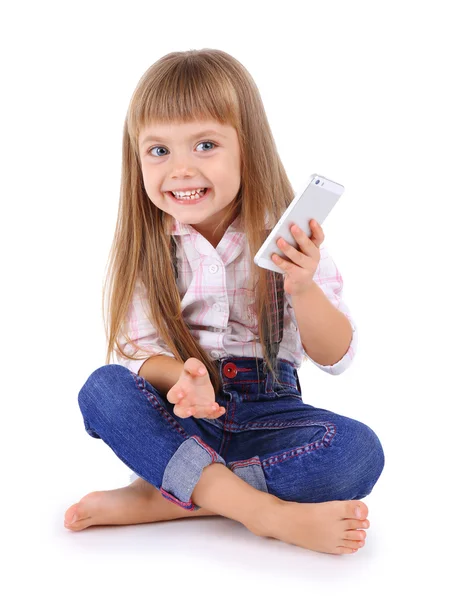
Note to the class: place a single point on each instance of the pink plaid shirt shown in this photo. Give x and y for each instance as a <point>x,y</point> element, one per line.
<point>218,306</point>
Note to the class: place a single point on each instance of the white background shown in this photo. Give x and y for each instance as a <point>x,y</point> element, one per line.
<point>361,92</point>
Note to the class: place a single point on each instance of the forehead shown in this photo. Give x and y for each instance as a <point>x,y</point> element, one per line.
<point>178,131</point>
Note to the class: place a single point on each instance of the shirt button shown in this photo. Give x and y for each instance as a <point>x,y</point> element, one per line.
<point>215,353</point>
<point>213,269</point>
<point>216,307</point>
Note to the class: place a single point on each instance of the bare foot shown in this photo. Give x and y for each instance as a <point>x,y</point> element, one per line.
<point>139,502</point>
<point>330,527</point>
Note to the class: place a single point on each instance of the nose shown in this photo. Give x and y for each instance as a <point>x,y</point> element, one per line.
<point>181,164</point>
<point>182,173</point>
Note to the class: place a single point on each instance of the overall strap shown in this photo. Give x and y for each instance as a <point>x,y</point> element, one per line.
<point>275,307</point>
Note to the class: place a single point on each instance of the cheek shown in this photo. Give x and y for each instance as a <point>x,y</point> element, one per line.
<point>227,179</point>
<point>151,185</point>
<point>153,192</point>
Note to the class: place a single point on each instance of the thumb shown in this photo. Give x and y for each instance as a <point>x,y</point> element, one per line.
<point>195,367</point>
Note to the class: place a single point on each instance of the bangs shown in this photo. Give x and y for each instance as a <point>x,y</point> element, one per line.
<point>182,92</point>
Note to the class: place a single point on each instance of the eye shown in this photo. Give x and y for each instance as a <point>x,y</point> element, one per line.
<point>159,147</point>
<point>150,151</point>
<point>212,143</point>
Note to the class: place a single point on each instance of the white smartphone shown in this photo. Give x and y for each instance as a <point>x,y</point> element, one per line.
<point>314,201</point>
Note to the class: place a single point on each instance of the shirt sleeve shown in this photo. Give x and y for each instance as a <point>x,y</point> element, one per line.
<point>329,279</point>
<point>142,333</point>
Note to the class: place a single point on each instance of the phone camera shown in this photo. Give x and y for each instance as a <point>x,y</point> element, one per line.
<point>317,182</point>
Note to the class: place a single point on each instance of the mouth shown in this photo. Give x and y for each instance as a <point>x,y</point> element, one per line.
<point>187,201</point>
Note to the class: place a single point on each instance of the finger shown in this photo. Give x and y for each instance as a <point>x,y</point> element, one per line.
<point>305,243</point>
<point>183,413</point>
<point>318,236</point>
<point>283,263</point>
<point>176,395</point>
<point>194,410</point>
<point>204,411</point>
<point>205,414</point>
<point>197,413</point>
<point>312,243</point>
<point>295,255</point>
<point>192,366</point>
<point>287,265</point>
<point>188,407</point>
<point>215,415</point>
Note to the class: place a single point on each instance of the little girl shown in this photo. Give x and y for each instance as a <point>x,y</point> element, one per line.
<point>204,404</point>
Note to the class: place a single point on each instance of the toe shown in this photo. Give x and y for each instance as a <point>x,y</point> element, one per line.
<point>356,510</point>
<point>355,535</point>
<point>76,513</point>
<point>353,543</point>
<point>75,522</point>
<point>71,515</point>
<point>355,524</point>
<point>81,524</point>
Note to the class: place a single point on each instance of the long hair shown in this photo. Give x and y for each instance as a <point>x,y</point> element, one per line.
<point>182,87</point>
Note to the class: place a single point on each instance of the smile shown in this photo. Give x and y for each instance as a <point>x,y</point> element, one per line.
<point>185,201</point>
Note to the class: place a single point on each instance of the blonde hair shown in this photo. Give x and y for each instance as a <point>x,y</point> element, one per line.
<point>181,87</point>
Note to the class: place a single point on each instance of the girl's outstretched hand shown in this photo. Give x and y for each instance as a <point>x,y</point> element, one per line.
<point>193,393</point>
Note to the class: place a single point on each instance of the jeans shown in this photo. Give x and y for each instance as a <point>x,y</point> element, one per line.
<point>268,437</point>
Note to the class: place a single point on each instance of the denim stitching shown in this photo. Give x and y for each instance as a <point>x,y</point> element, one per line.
<point>330,433</point>
<point>255,381</point>
<point>225,424</point>
<point>245,463</point>
<point>280,424</point>
<point>156,404</point>
<point>230,422</point>
<point>232,382</point>
<point>211,451</point>
<point>188,505</point>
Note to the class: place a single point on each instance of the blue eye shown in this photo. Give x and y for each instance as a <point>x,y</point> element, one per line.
<point>212,143</point>
<point>154,149</point>
<point>162,147</point>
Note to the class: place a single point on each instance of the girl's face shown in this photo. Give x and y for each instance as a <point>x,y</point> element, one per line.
<point>191,156</point>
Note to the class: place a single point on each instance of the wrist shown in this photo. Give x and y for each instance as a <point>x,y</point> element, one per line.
<point>305,291</point>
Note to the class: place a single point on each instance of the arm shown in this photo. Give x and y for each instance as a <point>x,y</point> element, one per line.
<point>325,332</point>
<point>162,372</point>
<point>324,341</point>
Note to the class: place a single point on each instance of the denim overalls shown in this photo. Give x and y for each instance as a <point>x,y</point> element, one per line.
<point>267,436</point>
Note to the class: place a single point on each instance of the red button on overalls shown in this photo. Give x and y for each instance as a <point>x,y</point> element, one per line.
<point>230,370</point>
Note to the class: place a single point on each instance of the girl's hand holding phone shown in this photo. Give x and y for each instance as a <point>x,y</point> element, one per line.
<point>193,393</point>
<point>303,262</point>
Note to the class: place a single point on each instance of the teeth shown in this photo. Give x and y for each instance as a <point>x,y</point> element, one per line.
<point>189,193</point>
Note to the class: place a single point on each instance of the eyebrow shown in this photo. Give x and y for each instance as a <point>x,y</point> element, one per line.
<point>155,138</point>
